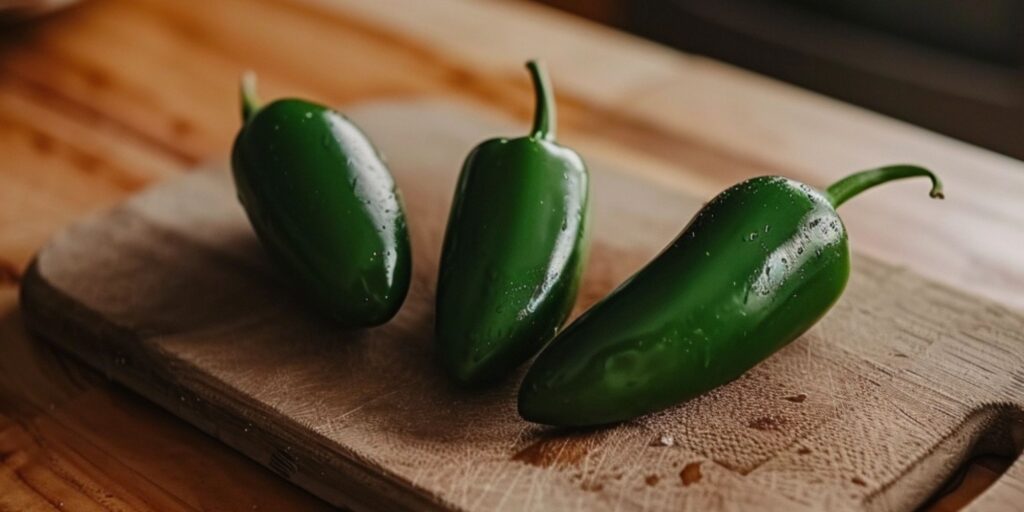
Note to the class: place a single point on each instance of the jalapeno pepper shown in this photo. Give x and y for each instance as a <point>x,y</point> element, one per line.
<point>324,206</point>
<point>513,250</point>
<point>755,268</point>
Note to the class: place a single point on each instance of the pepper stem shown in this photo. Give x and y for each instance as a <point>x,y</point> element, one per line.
<point>250,103</point>
<point>856,183</point>
<point>544,112</point>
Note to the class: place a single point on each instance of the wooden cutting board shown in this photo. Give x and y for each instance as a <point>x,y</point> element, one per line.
<point>170,294</point>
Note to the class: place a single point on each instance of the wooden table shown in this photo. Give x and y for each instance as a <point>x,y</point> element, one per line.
<point>111,96</point>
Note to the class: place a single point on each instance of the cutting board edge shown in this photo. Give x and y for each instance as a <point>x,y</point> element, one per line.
<point>357,486</point>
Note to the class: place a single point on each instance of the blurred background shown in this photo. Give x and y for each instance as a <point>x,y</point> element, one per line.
<point>953,66</point>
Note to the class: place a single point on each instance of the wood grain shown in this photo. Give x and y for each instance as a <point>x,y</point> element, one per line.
<point>873,408</point>
<point>103,99</point>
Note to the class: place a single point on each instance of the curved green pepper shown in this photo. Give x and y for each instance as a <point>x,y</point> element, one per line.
<point>324,206</point>
<point>755,268</point>
<point>513,250</point>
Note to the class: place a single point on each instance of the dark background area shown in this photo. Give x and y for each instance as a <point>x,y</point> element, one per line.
<point>953,66</point>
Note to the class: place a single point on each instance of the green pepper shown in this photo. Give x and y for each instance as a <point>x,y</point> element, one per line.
<point>754,269</point>
<point>514,249</point>
<point>324,206</point>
